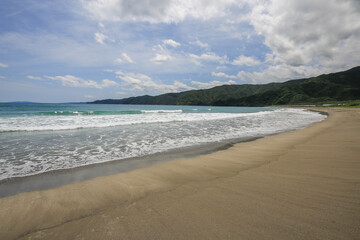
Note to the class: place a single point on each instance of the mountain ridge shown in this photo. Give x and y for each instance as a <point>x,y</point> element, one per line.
<point>339,86</point>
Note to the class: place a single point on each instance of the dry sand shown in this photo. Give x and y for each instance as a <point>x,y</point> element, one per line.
<point>297,185</point>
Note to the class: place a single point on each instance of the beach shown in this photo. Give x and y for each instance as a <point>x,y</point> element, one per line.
<point>302,184</point>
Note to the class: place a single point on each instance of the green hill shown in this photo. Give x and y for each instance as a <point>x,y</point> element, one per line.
<point>340,86</point>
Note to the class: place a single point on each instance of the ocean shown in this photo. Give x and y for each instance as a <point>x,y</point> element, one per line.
<point>39,138</point>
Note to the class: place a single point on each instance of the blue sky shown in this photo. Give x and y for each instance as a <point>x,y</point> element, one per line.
<point>82,50</point>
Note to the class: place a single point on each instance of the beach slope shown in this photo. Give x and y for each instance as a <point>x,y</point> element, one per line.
<point>303,184</point>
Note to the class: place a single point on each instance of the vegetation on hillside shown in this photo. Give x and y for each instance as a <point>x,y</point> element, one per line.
<point>326,88</point>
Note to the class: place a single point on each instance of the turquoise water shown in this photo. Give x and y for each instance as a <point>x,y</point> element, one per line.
<point>45,109</point>
<point>37,138</point>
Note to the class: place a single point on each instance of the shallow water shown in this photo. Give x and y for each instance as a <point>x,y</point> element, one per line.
<point>38,138</point>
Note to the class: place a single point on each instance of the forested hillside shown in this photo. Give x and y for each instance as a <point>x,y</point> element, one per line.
<point>340,86</point>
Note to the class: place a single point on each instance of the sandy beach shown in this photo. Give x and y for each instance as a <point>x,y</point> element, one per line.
<point>303,184</point>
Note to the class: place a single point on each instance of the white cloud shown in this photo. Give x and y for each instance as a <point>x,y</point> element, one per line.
<point>107,83</point>
<point>222,67</point>
<point>171,43</point>
<point>244,60</point>
<point>89,96</point>
<point>223,75</point>
<point>142,82</point>
<point>280,73</point>
<point>100,38</point>
<point>201,44</point>
<point>124,59</point>
<point>33,77</point>
<point>3,65</point>
<point>156,11</point>
<point>161,58</point>
<point>208,57</point>
<point>72,81</point>
<point>205,85</point>
<point>101,25</point>
<point>310,32</point>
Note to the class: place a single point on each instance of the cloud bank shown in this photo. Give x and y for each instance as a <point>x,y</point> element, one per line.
<point>319,33</point>
<point>72,81</point>
<point>173,41</point>
<point>156,11</point>
<point>142,82</point>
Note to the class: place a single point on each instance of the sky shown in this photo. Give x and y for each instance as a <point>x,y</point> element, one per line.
<point>83,50</point>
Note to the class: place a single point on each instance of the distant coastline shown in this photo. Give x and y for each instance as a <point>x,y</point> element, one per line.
<point>29,102</point>
<point>335,88</point>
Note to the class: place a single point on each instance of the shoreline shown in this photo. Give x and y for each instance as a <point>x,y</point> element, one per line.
<point>61,177</point>
<point>300,184</point>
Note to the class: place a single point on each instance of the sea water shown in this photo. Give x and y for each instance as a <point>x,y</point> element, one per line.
<point>37,138</point>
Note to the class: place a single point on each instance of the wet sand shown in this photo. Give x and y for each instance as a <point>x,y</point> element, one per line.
<point>303,184</point>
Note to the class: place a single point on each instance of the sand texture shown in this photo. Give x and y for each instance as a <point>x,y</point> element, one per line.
<point>303,184</point>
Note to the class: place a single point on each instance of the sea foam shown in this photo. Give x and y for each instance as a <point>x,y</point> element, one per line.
<point>66,122</point>
<point>39,143</point>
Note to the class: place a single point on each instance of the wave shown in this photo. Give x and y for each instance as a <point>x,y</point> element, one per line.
<point>85,113</point>
<point>69,113</point>
<point>72,122</point>
<point>32,153</point>
<point>161,111</point>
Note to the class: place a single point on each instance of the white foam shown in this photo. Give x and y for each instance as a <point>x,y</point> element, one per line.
<point>23,154</point>
<point>53,123</point>
<point>162,111</point>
